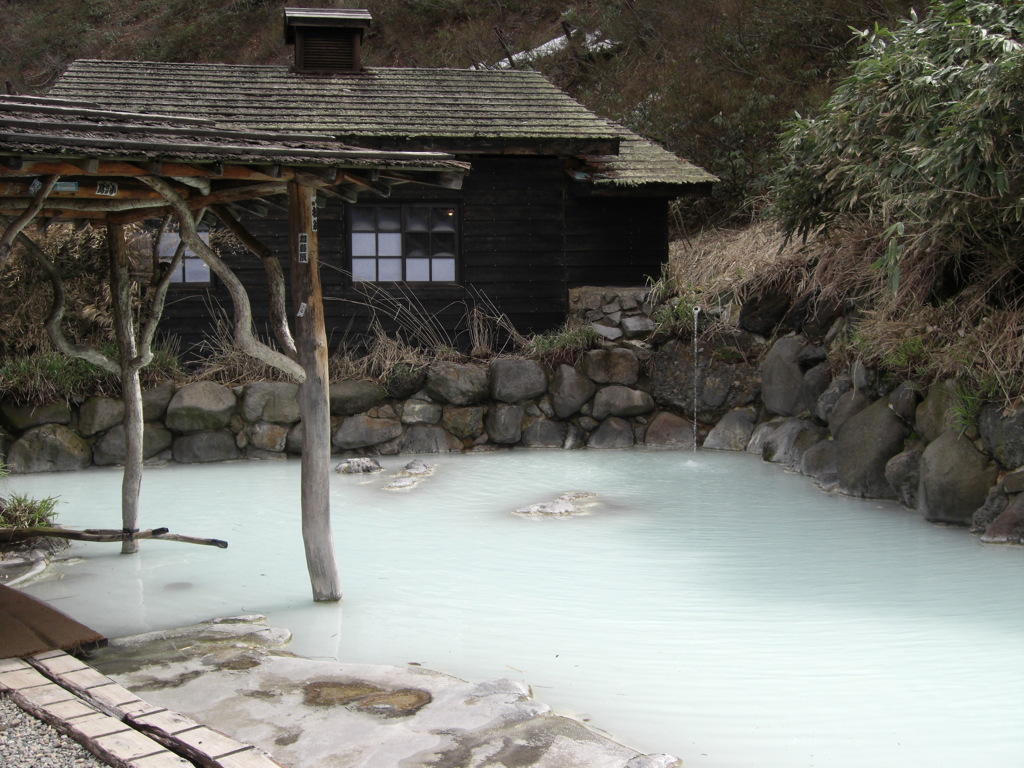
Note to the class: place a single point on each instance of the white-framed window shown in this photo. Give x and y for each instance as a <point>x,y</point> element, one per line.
<point>192,270</point>
<point>410,242</point>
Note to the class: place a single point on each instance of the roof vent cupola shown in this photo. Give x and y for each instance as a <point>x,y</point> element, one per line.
<point>327,40</point>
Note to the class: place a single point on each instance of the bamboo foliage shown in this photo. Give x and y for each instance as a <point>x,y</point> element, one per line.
<point>922,142</point>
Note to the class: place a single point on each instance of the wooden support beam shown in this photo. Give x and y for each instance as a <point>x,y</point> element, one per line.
<point>443,179</point>
<point>90,189</point>
<point>89,165</point>
<point>369,182</point>
<point>12,163</point>
<point>314,405</point>
<point>120,168</point>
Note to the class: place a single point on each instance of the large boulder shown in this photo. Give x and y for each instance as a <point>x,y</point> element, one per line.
<point>667,430</point>
<point>934,415</point>
<point>48,448</point>
<point>363,431</point>
<point>203,406</point>
<point>1003,434</point>
<point>110,449</point>
<point>570,389</point>
<point>610,366</point>
<point>866,443</point>
<point>156,399</point>
<point>98,414</point>
<point>544,433</point>
<point>353,396</point>
<point>617,400</point>
<point>516,380</point>
<point>271,401</point>
<point>762,313</point>
<point>420,412</point>
<point>504,423</point>
<point>782,378</point>
<point>612,433</point>
<point>903,473</point>
<point>826,402</point>
<point>404,380</point>
<point>790,440</point>
<point>457,383</point>
<point>819,462</point>
<point>720,381</point>
<point>424,438</point>
<point>813,385</point>
<point>267,436</point>
<point>466,422</point>
<point>733,431</point>
<point>954,479</point>
<point>202,447</point>
<point>846,405</point>
<point>1008,527</point>
<point>18,418</point>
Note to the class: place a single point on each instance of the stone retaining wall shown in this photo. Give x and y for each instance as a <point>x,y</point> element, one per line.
<point>602,402</point>
<point>864,435</point>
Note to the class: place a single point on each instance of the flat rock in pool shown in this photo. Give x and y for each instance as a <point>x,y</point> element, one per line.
<point>403,484</point>
<point>567,505</point>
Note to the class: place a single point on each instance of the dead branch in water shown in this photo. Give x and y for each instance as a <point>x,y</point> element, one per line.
<point>100,534</point>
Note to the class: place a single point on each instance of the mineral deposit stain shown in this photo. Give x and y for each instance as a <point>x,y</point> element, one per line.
<point>330,693</point>
<point>401,703</point>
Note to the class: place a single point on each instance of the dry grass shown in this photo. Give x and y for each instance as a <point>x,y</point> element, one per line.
<point>975,336</point>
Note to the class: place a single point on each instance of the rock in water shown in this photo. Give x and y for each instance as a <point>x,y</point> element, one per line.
<point>360,466</point>
<point>565,505</point>
<point>417,468</point>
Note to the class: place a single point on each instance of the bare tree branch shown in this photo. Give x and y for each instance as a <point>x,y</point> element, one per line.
<point>22,221</point>
<point>244,336</point>
<point>275,278</point>
<point>57,307</point>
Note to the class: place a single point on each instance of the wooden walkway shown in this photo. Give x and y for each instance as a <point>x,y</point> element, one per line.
<point>113,723</point>
<point>110,721</point>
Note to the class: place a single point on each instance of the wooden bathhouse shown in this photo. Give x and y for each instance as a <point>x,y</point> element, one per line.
<point>556,196</point>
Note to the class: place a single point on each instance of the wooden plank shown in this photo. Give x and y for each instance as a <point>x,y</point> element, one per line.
<point>98,725</point>
<point>165,721</point>
<point>128,745</point>
<point>210,742</point>
<point>43,695</point>
<point>69,709</point>
<point>10,665</point>
<point>58,663</point>
<point>20,679</point>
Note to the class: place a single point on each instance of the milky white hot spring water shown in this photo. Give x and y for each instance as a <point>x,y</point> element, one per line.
<point>709,605</point>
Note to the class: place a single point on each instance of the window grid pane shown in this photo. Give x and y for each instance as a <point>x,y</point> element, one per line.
<point>420,242</point>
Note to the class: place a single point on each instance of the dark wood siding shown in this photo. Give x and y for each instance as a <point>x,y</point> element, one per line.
<point>615,240</point>
<point>524,241</point>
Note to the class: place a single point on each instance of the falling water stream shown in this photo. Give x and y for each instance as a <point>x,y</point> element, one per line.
<point>696,376</point>
<point>709,605</point>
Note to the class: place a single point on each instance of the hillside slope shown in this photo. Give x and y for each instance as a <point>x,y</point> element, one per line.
<point>710,79</point>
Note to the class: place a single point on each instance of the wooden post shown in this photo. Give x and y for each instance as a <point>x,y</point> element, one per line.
<point>131,387</point>
<point>314,404</point>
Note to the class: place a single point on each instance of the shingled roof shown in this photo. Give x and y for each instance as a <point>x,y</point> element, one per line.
<point>64,128</point>
<point>459,110</point>
<point>99,155</point>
